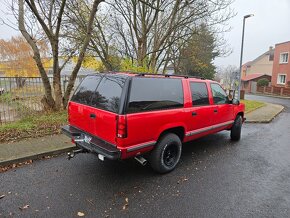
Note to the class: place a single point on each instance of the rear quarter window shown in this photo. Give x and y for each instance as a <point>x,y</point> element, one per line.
<point>149,94</point>
<point>101,91</point>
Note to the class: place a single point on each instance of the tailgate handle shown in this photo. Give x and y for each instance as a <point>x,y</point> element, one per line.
<point>93,116</point>
<point>193,113</point>
<point>215,110</point>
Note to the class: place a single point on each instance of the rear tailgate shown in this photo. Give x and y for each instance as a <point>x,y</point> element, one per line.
<point>94,121</point>
<point>95,105</point>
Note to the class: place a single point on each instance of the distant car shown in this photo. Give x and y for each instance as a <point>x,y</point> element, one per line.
<point>122,115</point>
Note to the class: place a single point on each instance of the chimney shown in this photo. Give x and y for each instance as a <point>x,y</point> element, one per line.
<point>270,48</point>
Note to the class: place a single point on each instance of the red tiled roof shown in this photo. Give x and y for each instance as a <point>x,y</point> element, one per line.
<point>252,76</point>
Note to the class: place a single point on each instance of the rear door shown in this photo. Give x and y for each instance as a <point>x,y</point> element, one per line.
<point>98,116</point>
<point>201,112</point>
<point>79,106</point>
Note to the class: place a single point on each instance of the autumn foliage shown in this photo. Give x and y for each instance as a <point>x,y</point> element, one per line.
<point>16,57</point>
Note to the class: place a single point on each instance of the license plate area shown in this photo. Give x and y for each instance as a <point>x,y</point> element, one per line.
<point>83,138</point>
<point>87,139</point>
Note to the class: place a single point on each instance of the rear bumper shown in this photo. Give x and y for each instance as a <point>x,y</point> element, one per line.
<point>91,143</point>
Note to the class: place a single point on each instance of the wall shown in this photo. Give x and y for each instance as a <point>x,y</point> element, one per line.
<point>261,65</point>
<point>281,68</point>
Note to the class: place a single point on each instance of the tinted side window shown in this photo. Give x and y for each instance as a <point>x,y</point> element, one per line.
<point>199,93</point>
<point>86,89</point>
<point>219,95</point>
<point>108,93</point>
<point>149,94</point>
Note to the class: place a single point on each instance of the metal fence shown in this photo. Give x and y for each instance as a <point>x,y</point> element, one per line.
<point>21,96</point>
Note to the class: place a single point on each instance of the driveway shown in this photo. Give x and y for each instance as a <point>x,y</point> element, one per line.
<point>216,178</point>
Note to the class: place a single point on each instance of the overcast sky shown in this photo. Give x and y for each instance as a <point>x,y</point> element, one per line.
<point>269,26</point>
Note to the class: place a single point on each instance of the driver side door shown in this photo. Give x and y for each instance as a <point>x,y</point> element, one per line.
<point>223,109</point>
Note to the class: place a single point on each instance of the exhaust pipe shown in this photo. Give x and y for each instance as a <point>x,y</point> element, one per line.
<point>141,160</point>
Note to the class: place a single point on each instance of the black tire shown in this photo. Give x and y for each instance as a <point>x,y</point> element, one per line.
<point>166,154</point>
<point>237,128</point>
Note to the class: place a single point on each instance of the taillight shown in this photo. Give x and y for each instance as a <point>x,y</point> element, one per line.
<point>68,111</point>
<point>121,126</point>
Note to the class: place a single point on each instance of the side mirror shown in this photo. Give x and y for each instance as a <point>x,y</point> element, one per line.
<point>235,102</point>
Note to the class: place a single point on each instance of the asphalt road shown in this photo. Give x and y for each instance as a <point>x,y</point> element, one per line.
<point>215,178</point>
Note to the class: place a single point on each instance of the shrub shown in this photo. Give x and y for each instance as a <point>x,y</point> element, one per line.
<point>263,82</point>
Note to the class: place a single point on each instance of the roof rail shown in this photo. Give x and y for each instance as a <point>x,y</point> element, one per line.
<point>166,75</point>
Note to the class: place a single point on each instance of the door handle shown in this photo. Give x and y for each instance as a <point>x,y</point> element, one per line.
<point>193,113</point>
<point>93,116</point>
<point>215,110</point>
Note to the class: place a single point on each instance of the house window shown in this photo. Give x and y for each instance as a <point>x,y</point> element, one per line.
<point>281,79</point>
<point>284,58</point>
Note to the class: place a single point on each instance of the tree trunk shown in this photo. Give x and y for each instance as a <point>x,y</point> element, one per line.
<point>81,54</point>
<point>46,84</point>
<point>56,76</point>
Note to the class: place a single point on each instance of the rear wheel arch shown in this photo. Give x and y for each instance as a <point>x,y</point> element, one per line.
<point>179,131</point>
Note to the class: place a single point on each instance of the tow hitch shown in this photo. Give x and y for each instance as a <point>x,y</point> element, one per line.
<point>70,155</point>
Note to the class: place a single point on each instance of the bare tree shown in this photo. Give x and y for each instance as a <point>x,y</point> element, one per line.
<point>102,41</point>
<point>44,20</point>
<point>148,34</point>
<point>229,76</point>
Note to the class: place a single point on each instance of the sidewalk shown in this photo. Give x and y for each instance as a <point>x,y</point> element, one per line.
<point>32,149</point>
<point>264,114</point>
<point>36,148</point>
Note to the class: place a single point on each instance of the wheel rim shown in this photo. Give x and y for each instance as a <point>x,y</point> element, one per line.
<point>170,155</point>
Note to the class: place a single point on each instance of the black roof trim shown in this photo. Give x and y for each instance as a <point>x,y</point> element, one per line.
<point>168,76</point>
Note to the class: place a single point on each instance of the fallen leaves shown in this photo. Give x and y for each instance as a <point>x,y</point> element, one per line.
<point>40,130</point>
<point>125,206</point>
<point>183,179</point>
<point>24,207</point>
<point>5,168</point>
<point>80,214</point>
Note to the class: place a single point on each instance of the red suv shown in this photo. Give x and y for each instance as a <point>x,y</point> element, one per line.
<point>123,115</point>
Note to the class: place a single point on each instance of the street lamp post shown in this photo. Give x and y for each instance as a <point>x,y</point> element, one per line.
<point>242,50</point>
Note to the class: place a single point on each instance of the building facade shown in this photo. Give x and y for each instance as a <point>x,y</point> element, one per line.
<point>281,65</point>
<point>261,65</point>
<point>249,82</point>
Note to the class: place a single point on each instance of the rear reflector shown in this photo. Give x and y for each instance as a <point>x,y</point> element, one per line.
<point>122,126</point>
<point>68,111</point>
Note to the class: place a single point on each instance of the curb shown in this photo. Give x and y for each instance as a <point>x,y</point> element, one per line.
<point>35,156</point>
<point>266,120</point>
<point>273,96</point>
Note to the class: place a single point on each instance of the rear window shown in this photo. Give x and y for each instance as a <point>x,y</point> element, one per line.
<point>148,94</point>
<point>86,89</point>
<point>101,91</point>
<point>199,94</point>
<point>108,93</point>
